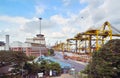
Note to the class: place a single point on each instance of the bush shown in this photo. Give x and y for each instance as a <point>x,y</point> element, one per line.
<point>51,52</point>
<point>31,58</point>
<point>44,66</point>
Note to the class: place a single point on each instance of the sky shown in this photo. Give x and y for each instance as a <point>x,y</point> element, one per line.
<point>61,19</point>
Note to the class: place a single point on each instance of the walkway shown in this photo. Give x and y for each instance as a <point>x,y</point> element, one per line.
<point>63,76</point>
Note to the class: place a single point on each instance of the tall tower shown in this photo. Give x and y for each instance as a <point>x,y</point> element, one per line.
<point>40,36</point>
<point>38,45</point>
<point>7,43</point>
<point>40,24</point>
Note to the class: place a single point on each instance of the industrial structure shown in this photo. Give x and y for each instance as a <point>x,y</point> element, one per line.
<point>7,43</point>
<point>38,46</point>
<point>85,43</point>
<point>35,46</point>
<point>32,46</point>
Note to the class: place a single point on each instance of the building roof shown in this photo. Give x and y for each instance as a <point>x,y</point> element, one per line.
<point>19,44</point>
<point>2,43</point>
<point>62,64</point>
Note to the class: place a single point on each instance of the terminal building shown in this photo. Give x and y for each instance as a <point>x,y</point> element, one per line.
<point>35,46</point>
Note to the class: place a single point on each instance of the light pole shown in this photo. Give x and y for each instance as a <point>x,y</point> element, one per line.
<point>40,35</point>
<point>40,24</point>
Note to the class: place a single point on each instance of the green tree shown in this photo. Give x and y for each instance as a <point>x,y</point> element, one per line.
<point>5,57</point>
<point>44,66</point>
<point>9,57</point>
<point>32,68</point>
<point>105,62</point>
<point>31,58</point>
<point>51,52</point>
<point>55,67</point>
<point>16,59</point>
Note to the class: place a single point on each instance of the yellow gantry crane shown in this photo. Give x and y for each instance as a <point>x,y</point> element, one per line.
<point>95,38</point>
<point>90,40</point>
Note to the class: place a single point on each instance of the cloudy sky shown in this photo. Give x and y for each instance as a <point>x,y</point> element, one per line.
<point>61,19</point>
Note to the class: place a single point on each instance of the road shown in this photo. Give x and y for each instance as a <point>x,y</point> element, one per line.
<point>78,66</point>
<point>63,76</point>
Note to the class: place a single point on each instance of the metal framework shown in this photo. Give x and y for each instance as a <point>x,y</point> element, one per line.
<point>88,41</point>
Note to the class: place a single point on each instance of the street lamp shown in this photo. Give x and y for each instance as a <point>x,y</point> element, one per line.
<point>40,24</point>
<point>40,35</point>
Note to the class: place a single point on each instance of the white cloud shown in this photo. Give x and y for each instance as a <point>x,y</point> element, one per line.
<point>2,35</point>
<point>18,20</point>
<point>69,30</point>
<point>33,26</point>
<point>66,2</point>
<point>57,35</point>
<point>30,26</point>
<point>72,25</point>
<point>66,29</point>
<point>39,9</point>
<point>58,19</point>
<point>13,27</point>
<point>101,11</point>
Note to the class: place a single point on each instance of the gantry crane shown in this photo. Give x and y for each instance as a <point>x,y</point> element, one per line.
<point>99,36</point>
<point>90,40</point>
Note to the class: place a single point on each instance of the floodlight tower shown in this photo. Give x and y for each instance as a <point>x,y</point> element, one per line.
<point>40,35</point>
<point>40,24</point>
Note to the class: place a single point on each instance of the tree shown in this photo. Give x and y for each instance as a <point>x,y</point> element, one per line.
<point>51,52</point>
<point>55,67</point>
<point>105,62</point>
<point>15,57</point>
<point>43,67</point>
<point>18,57</point>
<point>31,58</point>
<point>5,57</point>
<point>32,68</point>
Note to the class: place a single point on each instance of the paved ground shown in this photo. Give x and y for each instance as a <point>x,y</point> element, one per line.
<point>4,69</point>
<point>63,76</point>
<point>77,65</point>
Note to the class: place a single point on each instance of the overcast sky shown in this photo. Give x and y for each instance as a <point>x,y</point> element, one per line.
<point>61,19</point>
